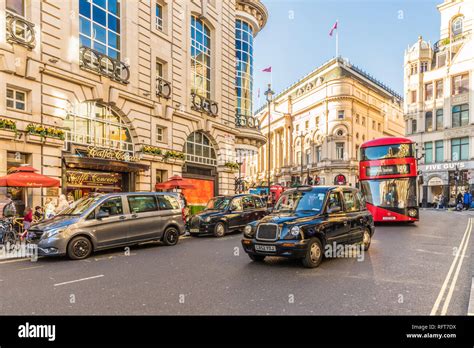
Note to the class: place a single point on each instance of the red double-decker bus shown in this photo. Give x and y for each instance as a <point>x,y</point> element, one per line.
<point>388,179</point>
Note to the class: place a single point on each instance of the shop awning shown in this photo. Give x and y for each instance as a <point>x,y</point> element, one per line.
<point>26,176</point>
<point>73,161</point>
<point>175,182</point>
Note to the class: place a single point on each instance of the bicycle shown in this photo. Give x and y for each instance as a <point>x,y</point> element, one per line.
<point>9,236</point>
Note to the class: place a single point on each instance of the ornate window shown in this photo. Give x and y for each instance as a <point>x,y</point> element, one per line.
<point>456,26</point>
<point>97,125</point>
<point>19,30</point>
<point>199,149</point>
<point>200,58</point>
<point>244,78</point>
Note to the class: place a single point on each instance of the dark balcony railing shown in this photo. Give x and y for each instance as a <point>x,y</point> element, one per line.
<point>20,31</point>
<point>202,104</point>
<point>95,61</point>
<point>163,88</point>
<point>244,121</point>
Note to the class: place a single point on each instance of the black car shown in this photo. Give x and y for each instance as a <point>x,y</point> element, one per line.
<point>225,214</point>
<point>307,221</point>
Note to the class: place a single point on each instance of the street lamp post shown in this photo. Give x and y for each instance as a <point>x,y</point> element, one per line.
<point>239,180</point>
<point>269,94</point>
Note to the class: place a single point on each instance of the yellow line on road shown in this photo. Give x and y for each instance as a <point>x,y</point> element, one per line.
<point>435,308</point>
<point>26,268</point>
<point>14,260</point>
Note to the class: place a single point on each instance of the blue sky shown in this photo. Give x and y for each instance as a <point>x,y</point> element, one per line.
<point>373,34</point>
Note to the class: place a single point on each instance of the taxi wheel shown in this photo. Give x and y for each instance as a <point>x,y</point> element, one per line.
<point>171,236</point>
<point>79,248</point>
<point>314,254</point>
<point>366,239</point>
<point>257,258</point>
<point>219,230</point>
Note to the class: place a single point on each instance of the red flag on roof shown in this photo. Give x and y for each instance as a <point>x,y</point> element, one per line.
<point>334,27</point>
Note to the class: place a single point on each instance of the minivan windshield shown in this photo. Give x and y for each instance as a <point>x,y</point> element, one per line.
<point>218,203</point>
<point>80,206</point>
<point>300,201</point>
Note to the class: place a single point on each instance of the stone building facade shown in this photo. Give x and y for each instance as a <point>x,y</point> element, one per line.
<point>318,124</point>
<point>438,102</point>
<point>112,95</point>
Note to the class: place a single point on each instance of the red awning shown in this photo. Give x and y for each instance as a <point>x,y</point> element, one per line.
<point>26,177</point>
<point>174,182</point>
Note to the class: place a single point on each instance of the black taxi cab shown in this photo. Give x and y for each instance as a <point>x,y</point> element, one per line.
<point>307,219</point>
<point>224,214</point>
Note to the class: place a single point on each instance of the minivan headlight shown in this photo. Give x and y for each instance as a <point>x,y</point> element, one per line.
<point>53,232</point>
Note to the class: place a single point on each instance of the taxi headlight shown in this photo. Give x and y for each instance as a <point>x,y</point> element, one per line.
<point>295,230</point>
<point>248,231</point>
<point>208,219</point>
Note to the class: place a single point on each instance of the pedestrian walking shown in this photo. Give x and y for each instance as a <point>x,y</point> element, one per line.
<point>441,201</point>
<point>467,199</point>
<point>27,220</point>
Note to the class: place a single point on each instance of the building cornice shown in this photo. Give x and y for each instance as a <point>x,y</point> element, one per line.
<point>254,8</point>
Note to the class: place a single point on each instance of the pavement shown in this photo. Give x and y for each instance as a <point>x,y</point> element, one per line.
<point>417,269</point>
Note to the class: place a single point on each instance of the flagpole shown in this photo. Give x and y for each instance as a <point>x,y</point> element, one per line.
<point>337,39</point>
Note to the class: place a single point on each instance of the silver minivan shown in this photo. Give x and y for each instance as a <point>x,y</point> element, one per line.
<point>111,220</point>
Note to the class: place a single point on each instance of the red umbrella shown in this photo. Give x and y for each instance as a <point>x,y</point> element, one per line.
<point>174,182</point>
<point>26,177</point>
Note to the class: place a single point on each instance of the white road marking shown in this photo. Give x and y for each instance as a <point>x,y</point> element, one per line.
<point>435,308</point>
<point>79,280</point>
<point>444,310</point>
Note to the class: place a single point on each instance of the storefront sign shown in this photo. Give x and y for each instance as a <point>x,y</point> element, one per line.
<point>96,152</point>
<point>79,178</point>
<point>446,166</point>
<point>435,182</point>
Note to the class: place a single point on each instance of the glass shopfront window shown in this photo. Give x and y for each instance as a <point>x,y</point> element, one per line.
<point>98,125</point>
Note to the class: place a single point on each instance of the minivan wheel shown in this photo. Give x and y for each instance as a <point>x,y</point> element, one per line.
<point>366,239</point>
<point>171,236</point>
<point>219,230</point>
<point>314,254</point>
<point>79,248</point>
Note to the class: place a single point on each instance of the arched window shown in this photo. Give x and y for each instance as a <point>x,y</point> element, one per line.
<point>456,26</point>
<point>97,125</point>
<point>199,149</point>
<point>200,58</point>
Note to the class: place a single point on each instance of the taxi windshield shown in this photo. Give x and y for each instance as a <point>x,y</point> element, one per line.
<point>301,201</point>
<point>218,203</point>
